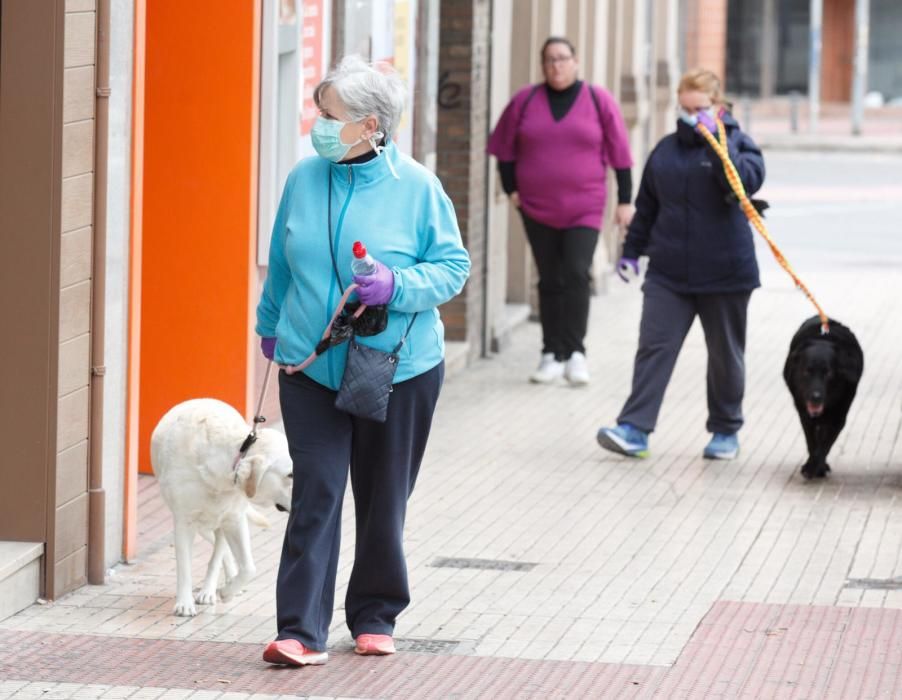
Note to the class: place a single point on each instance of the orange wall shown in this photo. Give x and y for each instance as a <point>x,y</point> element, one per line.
<point>199,206</point>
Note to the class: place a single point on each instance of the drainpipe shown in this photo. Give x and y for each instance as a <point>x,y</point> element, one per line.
<point>96,495</point>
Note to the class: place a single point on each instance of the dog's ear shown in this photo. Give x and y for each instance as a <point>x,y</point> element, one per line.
<point>849,364</point>
<point>792,361</point>
<point>250,472</point>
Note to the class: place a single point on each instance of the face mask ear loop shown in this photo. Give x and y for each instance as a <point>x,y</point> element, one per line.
<point>374,142</point>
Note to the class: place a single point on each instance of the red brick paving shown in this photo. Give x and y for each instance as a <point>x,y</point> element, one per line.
<point>237,667</point>
<point>740,650</point>
<point>746,650</point>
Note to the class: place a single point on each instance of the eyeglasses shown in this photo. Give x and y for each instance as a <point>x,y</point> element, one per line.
<point>553,60</point>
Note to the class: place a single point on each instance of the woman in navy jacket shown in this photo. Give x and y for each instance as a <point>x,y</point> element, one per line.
<point>701,262</point>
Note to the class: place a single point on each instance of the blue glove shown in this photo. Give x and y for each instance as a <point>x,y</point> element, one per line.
<point>268,347</point>
<point>706,118</point>
<point>376,289</point>
<point>623,266</point>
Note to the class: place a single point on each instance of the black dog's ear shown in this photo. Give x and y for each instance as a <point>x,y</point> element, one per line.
<point>849,364</point>
<point>792,362</point>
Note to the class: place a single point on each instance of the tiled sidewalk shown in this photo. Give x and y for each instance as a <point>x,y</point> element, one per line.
<point>632,562</point>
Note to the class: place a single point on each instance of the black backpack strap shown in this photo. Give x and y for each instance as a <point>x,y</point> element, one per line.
<point>532,93</point>
<point>598,112</point>
<point>596,103</point>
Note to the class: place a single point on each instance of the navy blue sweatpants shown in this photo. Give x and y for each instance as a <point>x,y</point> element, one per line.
<point>384,460</point>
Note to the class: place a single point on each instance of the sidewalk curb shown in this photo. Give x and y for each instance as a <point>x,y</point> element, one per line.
<point>822,145</point>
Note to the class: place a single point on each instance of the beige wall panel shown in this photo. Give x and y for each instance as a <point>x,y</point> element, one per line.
<point>558,18</point>
<point>75,257</point>
<point>78,202</point>
<point>79,39</point>
<point>71,526</point>
<point>78,94</point>
<point>72,426</point>
<point>75,311</point>
<point>75,359</point>
<point>71,572</point>
<point>72,472</point>
<point>576,30</point>
<point>80,5</point>
<point>78,148</point>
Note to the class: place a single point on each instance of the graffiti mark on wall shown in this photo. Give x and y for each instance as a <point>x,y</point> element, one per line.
<point>448,92</point>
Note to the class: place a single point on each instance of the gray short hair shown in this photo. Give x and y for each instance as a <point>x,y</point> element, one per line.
<point>367,89</point>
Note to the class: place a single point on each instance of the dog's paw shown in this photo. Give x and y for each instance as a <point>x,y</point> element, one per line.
<point>226,593</point>
<point>811,470</point>
<point>185,608</point>
<point>205,597</point>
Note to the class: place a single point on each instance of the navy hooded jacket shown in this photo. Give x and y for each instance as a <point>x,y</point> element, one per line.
<point>687,220</point>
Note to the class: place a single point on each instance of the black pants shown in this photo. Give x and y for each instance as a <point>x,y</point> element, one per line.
<point>666,319</point>
<point>564,260</point>
<point>384,460</point>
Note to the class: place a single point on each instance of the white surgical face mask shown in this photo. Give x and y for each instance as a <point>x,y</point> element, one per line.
<point>326,139</point>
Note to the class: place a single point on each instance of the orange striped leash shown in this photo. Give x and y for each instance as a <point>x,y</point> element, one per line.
<point>752,214</point>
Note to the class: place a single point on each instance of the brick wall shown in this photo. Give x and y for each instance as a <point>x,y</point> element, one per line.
<point>460,146</point>
<point>706,35</point>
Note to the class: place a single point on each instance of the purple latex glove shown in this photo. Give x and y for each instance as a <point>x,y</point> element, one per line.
<point>377,288</point>
<point>704,117</point>
<point>624,264</point>
<point>268,347</point>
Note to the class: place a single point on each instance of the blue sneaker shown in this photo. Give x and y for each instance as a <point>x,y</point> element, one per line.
<point>625,439</point>
<point>722,446</point>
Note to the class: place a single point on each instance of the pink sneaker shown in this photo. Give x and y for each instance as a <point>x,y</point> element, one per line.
<point>374,645</point>
<point>290,652</point>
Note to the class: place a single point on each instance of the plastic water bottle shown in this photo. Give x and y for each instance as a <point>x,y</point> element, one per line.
<point>362,264</point>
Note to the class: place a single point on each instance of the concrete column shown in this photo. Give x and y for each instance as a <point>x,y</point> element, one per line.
<point>666,69</point>
<point>595,53</point>
<point>768,75</point>
<point>860,74</point>
<point>814,64</point>
<point>524,63</point>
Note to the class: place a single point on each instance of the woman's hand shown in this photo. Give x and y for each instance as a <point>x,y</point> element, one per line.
<point>515,199</point>
<point>624,214</point>
<point>624,265</point>
<point>268,347</point>
<point>376,289</point>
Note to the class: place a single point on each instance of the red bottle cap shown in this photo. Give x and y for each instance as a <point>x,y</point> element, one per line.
<point>359,250</point>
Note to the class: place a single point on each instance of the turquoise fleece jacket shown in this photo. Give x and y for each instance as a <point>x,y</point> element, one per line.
<point>407,223</point>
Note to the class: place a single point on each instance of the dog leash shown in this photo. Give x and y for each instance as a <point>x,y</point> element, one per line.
<point>752,214</point>
<point>290,369</point>
<point>258,419</point>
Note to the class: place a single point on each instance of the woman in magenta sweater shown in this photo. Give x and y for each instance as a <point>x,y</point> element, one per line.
<point>554,143</point>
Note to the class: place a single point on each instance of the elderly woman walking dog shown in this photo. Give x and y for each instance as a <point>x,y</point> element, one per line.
<point>359,187</point>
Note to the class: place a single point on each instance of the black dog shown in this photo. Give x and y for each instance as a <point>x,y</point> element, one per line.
<point>822,373</point>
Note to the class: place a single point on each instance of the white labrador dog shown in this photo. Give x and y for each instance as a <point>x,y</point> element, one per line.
<point>192,451</point>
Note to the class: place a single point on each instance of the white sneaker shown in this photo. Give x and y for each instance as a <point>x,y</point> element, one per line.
<point>576,371</point>
<point>548,370</point>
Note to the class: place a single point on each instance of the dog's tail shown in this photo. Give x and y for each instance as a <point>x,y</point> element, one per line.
<point>256,517</point>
